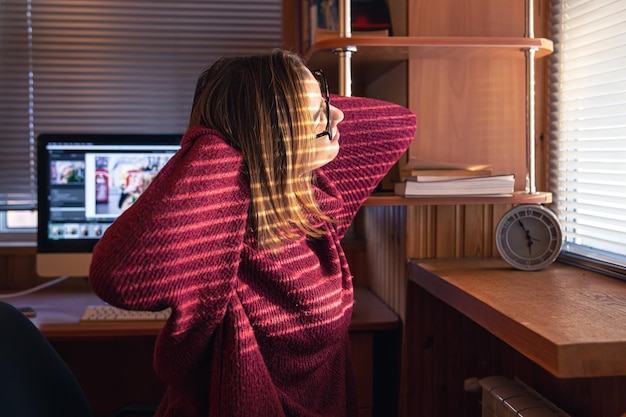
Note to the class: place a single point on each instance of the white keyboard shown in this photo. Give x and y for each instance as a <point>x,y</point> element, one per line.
<point>110,313</point>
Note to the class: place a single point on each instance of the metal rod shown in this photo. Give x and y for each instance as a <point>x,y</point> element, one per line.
<point>531,187</point>
<point>345,54</point>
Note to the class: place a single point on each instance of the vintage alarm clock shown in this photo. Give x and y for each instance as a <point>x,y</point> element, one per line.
<point>529,237</point>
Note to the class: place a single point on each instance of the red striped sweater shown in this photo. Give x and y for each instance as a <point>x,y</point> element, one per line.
<point>252,333</point>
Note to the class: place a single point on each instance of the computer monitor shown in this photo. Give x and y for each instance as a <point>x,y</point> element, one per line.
<point>84,182</point>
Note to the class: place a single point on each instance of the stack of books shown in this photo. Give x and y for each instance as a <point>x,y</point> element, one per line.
<point>430,179</point>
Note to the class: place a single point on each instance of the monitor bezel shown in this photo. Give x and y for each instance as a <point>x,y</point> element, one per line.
<point>45,245</point>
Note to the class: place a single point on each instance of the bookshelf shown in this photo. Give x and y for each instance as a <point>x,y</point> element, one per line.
<point>461,67</point>
<point>370,58</point>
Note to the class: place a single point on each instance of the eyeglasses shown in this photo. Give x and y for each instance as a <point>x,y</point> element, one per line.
<point>321,79</point>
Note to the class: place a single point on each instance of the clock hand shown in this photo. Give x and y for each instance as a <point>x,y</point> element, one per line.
<point>529,238</point>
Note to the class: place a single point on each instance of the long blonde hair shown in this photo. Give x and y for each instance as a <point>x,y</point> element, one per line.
<point>260,104</point>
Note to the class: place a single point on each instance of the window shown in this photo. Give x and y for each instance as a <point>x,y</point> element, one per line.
<point>588,130</point>
<point>114,66</point>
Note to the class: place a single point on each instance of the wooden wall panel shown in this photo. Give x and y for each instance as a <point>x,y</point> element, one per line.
<point>17,268</point>
<point>420,231</point>
<point>453,231</point>
<point>470,111</point>
<point>446,231</point>
<point>384,232</point>
<point>465,18</point>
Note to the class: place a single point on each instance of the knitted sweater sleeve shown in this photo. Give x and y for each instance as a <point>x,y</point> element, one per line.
<point>179,244</point>
<point>374,135</point>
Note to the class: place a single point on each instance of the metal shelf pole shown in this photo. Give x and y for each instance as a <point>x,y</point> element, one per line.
<point>345,53</point>
<point>531,187</point>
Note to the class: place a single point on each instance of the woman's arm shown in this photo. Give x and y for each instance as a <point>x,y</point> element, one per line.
<point>374,135</point>
<point>179,244</point>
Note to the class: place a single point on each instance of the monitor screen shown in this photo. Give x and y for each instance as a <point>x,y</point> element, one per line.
<point>84,182</point>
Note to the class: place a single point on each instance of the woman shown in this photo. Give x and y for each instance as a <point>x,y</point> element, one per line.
<point>240,235</point>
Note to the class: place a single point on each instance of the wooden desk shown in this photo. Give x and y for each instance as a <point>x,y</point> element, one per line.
<point>113,360</point>
<point>570,321</point>
<point>561,330</point>
<point>59,312</point>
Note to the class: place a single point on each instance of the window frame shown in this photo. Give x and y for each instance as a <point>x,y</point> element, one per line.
<point>583,256</point>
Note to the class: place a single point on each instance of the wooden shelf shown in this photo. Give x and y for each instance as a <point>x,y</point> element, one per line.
<point>377,54</point>
<point>567,320</point>
<point>517,198</point>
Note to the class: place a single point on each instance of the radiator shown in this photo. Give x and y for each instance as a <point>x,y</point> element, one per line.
<point>505,397</point>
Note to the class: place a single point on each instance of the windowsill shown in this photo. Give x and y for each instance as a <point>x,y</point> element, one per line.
<point>566,319</point>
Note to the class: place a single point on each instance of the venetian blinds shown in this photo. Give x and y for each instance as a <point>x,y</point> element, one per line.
<point>110,66</point>
<point>588,123</point>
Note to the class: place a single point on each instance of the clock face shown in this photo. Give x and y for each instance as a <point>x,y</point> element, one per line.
<point>529,237</point>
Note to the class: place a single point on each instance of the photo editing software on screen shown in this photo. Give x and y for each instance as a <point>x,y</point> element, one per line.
<point>87,181</point>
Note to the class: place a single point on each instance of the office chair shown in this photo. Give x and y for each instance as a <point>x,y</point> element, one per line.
<point>34,379</point>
